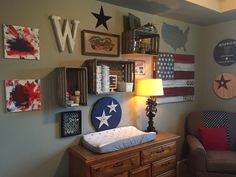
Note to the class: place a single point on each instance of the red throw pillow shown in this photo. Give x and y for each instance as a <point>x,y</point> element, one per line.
<point>214,138</point>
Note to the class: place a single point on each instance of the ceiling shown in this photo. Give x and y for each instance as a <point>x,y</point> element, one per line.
<point>200,12</point>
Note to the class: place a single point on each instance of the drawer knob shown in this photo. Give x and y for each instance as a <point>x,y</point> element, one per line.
<point>118,164</point>
<point>165,164</point>
<point>160,151</point>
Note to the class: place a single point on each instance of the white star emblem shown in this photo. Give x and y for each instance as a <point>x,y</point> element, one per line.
<point>112,107</point>
<point>103,119</point>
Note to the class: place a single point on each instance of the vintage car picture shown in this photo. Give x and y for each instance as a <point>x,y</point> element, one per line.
<point>100,44</point>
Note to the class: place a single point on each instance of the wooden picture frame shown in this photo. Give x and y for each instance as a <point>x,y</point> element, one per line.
<point>100,44</point>
<point>140,67</point>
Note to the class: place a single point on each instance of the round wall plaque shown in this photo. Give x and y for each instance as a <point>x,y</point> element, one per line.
<point>225,52</point>
<point>225,85</point>
<point>106,114</point>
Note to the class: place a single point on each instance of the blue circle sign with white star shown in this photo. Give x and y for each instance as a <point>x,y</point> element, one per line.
<point>225,52</point>
<point>106,114</point>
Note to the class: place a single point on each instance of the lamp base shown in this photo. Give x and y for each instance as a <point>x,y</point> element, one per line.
<point>151,110</point>
<point>151,130</point>
<point>150,127</point>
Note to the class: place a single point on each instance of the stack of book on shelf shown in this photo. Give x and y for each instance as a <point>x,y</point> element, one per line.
<point>103,82</point>
<point>99,79</point>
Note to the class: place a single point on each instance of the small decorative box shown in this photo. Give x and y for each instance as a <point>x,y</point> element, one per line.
<point>125,86</point>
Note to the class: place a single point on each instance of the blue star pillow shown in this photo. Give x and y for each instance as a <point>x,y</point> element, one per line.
<point>106,114</point>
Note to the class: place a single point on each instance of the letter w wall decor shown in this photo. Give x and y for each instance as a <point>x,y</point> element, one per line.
<point>65,34</point>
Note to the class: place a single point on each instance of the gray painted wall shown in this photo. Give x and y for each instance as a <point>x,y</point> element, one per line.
<point>209,69</point>
<point>30,141</point>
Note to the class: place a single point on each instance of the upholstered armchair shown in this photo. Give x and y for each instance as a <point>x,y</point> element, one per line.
<point>211,138</point>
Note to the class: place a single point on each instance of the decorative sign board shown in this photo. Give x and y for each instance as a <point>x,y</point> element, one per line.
<point>225,52</point>
<point>225,86</point>
<point>70,123</point>
<point>106,114</point>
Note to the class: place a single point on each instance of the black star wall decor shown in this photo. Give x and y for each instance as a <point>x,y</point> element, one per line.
<point>101,18</point>
<point>222,82</point>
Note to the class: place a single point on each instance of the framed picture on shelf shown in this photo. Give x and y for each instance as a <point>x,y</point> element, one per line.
<point>113,82</point>
<point>70,123</point>
<point>100,44</point>
<point>140,68</point>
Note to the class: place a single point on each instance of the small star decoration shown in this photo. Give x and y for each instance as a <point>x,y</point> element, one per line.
<point>222,82</point>
<point>101,18</point>
<point>103,119</point>
<point>112,107</point>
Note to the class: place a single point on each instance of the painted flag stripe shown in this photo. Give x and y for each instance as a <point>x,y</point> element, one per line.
<point>175,99</point>
<point>183,67</point>
<point>183,58</point>
<point>178,91</point>
<point>181,87</point>
<point>178,83</point>
<point>184,74</point>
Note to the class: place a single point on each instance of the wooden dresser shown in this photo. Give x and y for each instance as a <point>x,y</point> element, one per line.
<point>153,159</point>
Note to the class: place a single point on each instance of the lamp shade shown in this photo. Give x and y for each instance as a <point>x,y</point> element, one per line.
<point>149,87</point>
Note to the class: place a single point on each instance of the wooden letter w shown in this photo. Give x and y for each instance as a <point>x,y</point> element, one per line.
<point>65,34</point>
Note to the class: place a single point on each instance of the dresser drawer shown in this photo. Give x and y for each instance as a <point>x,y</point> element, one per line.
<point>163,165</point>
<point>157,153</point>
<point>116,166</point>
<point>171,173</point>
<point>143,171</point>
<point>125,174</point>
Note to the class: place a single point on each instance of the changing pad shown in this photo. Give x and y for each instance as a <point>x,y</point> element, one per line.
<point>116,139</point>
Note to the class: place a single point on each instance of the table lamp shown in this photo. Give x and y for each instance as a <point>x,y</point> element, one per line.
<point>151,88</point>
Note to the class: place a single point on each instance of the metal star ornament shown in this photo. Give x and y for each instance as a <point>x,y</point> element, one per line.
<point>101,18</point>
<point>222,82</point>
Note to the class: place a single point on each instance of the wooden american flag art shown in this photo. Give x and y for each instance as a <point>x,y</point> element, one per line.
<point>177,73</point>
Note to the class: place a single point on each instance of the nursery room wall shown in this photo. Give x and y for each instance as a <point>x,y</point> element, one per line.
<point>211,70</point>
<point>30,141</point>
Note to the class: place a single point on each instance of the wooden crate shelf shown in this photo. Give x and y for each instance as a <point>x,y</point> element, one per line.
<point>71,79</point>
<point>140,42</point>
<point>124,70</point>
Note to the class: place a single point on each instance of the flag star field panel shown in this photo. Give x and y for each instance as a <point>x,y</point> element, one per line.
<point>165,66</point>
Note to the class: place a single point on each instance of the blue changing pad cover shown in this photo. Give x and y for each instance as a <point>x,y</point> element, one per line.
<point>116,139</point>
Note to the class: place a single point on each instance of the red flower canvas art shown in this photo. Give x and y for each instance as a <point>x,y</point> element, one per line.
<point>22,95</point>
<point>21,42</point>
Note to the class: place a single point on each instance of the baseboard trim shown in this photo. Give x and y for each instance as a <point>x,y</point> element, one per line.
<point>182,168</point>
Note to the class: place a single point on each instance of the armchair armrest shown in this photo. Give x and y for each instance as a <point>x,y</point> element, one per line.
<point>197,156</point>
